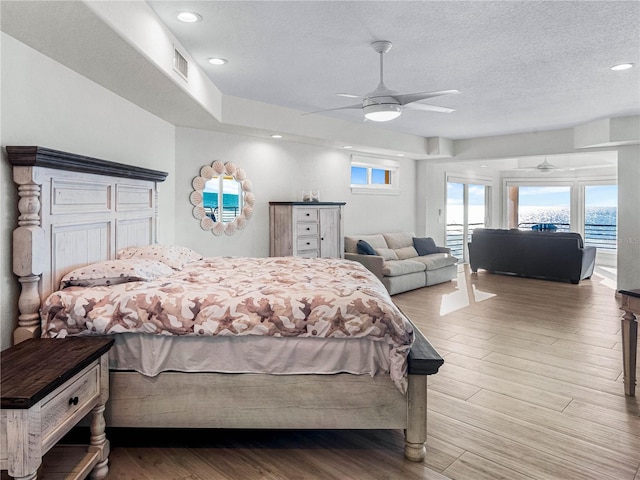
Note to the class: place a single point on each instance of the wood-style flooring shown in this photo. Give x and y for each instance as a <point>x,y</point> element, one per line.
<point>531,388</point>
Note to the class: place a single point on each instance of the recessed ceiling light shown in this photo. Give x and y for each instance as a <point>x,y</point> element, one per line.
<point>275,135</point>
<point>189,17</point>
<point>347,147</point>
<point>622,66</point>
<point>484,166</point>
<point>400,155</point>
<point>218,61</point>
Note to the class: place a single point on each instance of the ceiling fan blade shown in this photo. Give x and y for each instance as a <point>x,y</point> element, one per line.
<point>428,108</point>
<point>348,107</point>
<point>405,98</point>
<point>348,95</point>
<point>588,167</point>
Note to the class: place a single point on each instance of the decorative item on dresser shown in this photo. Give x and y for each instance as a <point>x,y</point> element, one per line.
<point>91,213</point>
<point>48,386</point>
<point>306,229</point>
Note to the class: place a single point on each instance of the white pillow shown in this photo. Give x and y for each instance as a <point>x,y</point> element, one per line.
<point>173,255</point>
<point>114,272</point>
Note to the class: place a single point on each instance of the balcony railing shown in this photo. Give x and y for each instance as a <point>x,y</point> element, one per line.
<point>602,236</point>
<point>595,234</point>
<point>561,227</point>
<point>455,238</point>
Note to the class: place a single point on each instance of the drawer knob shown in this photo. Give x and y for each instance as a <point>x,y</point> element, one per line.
<point>308,229</point>
<point>308,214</point>
<point>73,401</point>
<point>308,243</point>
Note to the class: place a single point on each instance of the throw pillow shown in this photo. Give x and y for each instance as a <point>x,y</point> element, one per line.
<point>114,272</point>
<point>364,248</point>
<point>425,246</point>
<point>173,255</point>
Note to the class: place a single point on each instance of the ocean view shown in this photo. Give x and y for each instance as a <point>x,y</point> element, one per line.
<point>560,215</point>
<point>600,223</point>
<point>537,214</point>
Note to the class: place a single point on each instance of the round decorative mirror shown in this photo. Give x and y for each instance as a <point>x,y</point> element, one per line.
<point>222,198</point>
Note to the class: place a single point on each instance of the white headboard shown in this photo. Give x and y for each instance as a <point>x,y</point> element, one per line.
<point>73,211</point>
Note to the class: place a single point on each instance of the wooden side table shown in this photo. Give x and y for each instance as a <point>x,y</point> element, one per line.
<point>48,386</point>
<point>631,307</point>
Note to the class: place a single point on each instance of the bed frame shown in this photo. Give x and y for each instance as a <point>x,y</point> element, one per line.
<point>75,210</point>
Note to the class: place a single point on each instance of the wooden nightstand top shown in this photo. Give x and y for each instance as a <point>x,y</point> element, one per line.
<point>631,293</point>
<point>34,368</point>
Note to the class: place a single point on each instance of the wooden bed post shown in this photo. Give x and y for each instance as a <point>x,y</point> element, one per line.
<point>423,360</point>
<point>29,247</point>
<point>416,433</point>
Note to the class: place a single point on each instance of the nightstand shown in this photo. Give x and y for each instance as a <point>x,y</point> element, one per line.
<point>48,386</point>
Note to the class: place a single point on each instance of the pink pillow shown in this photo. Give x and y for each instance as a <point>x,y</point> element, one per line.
<point>173,255</point>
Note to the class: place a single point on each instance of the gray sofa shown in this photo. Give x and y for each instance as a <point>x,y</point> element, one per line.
<point>548,255</point>
<point>398,264</point>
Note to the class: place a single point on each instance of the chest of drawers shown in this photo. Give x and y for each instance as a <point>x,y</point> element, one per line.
<point>306,229</point>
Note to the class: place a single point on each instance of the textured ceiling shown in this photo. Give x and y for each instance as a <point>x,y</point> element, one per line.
<point>521,66</point>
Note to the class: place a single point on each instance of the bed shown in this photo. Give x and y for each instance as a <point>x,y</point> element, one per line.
<point>76,210</point>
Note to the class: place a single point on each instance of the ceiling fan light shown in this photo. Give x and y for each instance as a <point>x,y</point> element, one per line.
<point>622,66</point>
<point>189,17</point>
<point>382,112</point>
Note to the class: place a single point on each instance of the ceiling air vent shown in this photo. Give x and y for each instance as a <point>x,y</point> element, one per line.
<point>180,64</point>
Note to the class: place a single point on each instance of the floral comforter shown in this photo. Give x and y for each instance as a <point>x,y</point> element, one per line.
<point>278,296</point>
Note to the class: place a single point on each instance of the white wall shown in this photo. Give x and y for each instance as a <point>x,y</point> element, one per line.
<point>279,171</point>
<point>46,104</point>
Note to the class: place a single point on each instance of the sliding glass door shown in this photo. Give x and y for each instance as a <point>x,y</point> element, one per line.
<point>467,207</point>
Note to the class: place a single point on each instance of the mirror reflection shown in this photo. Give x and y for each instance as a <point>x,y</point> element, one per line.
<point>222,198</point>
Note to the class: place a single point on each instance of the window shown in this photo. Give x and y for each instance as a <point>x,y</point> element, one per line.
<point>600,216</point>
<point>544,205</point>
<point>374,175</point>
<point>589,207</point>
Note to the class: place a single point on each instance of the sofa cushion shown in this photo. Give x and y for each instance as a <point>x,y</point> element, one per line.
<point>425,246</point>
<point>398,239</point>
<point>364,248</point>
<point>436,260</point>
<point>386,253</point>
<point>375,240</point>
<point>405,252</point>
<point>394,268</point>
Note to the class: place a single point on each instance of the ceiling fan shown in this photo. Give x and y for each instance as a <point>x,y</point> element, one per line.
<point>545,167</point>
<point>383,104</point>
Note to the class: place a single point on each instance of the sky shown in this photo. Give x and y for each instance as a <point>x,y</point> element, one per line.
<point>540,196</point>
<point>595,196</point>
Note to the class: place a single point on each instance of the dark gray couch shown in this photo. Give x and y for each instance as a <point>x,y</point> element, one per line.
<point>549,255</point>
